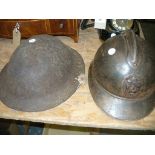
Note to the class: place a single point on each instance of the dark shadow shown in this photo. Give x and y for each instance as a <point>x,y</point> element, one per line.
<point>126,132</point>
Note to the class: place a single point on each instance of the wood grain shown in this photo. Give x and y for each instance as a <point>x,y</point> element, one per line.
<point>80,109</point>
<point>29,27</point>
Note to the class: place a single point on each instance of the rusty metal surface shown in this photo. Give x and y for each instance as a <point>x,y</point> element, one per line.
<point>41,74</point>
<point>122,83</point>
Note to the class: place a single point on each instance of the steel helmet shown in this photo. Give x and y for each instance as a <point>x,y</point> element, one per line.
<point>122,77</point>
<point>42,73</point>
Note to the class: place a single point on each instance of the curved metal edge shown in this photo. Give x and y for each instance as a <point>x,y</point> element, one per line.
<point>116,107</point>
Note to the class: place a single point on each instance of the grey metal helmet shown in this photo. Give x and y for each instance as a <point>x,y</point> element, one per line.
<point>122,77</point>
<point>42,73</point>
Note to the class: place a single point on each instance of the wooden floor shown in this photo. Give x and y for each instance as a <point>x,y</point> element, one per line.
<point>80,109</point>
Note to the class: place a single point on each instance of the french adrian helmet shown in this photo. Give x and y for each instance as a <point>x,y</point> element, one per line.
<point>122,77</point>
<point>42,73</point>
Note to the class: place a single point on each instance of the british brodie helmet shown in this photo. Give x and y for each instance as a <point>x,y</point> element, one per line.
<point>42,73</point>
<point>122,77</point>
